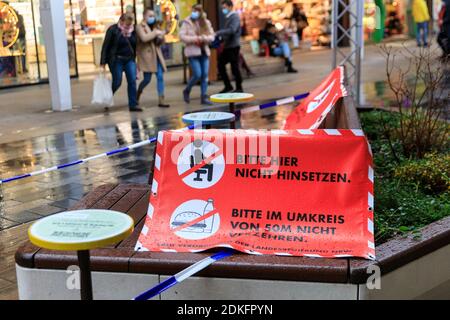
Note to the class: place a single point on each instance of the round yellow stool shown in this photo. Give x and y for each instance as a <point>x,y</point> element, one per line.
<point>232,98</point>
<point>81,231</point>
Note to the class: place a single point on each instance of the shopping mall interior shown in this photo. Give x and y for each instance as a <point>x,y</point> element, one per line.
<point>22,50</point>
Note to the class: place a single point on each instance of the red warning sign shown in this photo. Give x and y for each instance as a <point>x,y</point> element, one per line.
<point>299,193</point>
<point>314,109</point>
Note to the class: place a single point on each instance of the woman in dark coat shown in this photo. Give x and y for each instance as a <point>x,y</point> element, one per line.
<point>119,53</point>
<point>301,20</point>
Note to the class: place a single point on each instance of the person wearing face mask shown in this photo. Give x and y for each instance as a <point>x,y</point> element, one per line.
<point>197,33</point>
<point>231,36</point>
<point>149,55</point>
<point>119,52</point>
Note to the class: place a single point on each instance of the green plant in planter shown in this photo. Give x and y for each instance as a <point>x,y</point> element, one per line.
<point>432,173</point>
<point>400,207</point>
<point>409,193</point>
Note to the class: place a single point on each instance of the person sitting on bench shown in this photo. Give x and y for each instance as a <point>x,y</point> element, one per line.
<point>269,36</point>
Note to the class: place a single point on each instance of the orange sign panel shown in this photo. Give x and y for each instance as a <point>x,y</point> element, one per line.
<point>299,193</point>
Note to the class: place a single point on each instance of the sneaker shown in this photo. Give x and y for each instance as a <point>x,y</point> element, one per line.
<point>227,90</point>
<point>163,105</point>
<point>239,90</point>
<point>136,109</point>
<point>186,96</point>
<point>292,70</point>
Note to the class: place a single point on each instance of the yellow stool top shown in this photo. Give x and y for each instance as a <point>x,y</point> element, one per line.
<point>232,97</point>
<point>81,230</point>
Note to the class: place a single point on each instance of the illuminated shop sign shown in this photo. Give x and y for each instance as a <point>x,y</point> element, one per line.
<point>9,31</point>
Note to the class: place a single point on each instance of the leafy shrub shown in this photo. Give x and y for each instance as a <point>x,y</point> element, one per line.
<point>432,173</point>
<point>409,193</point>
<point>401,208</point>
<point>372,123</point>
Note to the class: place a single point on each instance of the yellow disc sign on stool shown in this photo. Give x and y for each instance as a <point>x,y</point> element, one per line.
<point>232,98</point>
<point>81,231</point>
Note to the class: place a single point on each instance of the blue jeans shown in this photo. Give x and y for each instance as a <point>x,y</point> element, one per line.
<point>283,50</point>
<point>200,71</point>
<point>159,77</point>
<point>117,69</point>
<point>422,33</point>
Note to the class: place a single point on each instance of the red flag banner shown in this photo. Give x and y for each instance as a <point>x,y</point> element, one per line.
<point>314,109</point>
<point>290,193</point>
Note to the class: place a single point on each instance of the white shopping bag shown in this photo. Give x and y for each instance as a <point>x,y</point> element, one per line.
<point>102,93</point>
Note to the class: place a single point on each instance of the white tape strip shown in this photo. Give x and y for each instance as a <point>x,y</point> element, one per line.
<point>370,226</point>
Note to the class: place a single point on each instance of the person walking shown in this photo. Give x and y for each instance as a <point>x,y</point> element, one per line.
<point>421,17</point>
<point>149,55</point>
<point>119,53</point>
<point>197,33</point>
<point>231,36</point>
<point>299,16</point>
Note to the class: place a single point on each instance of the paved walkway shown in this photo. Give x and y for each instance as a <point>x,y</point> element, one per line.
<point>31,138</point>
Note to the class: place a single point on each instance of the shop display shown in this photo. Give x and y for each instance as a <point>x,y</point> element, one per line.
<point>9,26</point>
<point>384,18</point>
<point>256,13</point>
<point>167,13</point>
<point>18,47</point>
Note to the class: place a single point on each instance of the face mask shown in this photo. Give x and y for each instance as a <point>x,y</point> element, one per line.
<point>151,20</point>
<point>195,15</point>
<point>225,11</point>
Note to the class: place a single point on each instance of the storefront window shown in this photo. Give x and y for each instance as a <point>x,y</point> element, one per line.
<point>22,51</point>
<point>171,13</point>
<point>18,56</point>
<point>385,19</point>
<point>256,13</point>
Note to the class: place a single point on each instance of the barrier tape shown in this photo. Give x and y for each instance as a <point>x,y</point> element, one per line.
<point>147,142</point>
<point>272,104</point>
<point>183,275</point>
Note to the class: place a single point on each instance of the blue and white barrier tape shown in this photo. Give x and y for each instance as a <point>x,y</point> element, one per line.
<point>146,142</point>
<point>274,103</point>
<point>183,275</point>
<point>74,163</point>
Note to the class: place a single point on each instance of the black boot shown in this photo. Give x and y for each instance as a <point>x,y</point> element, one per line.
<point>161,103</point>
<point>186,96</point>
<point>138,96</point>
<point>227,90</point>
<point>205,101</point>
<point>291,69</point>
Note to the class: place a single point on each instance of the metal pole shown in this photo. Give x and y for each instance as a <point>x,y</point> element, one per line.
<point>351,59</point>
<point>334,30</point>
<point>360,43</point>
<point>233,110</point>
<point>85,274</point>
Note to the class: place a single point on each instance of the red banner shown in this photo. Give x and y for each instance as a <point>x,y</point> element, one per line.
<point>314,109</point>
<point>299,193</point>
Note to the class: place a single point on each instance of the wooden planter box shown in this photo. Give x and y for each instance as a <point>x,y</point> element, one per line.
<point>410,267</point>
